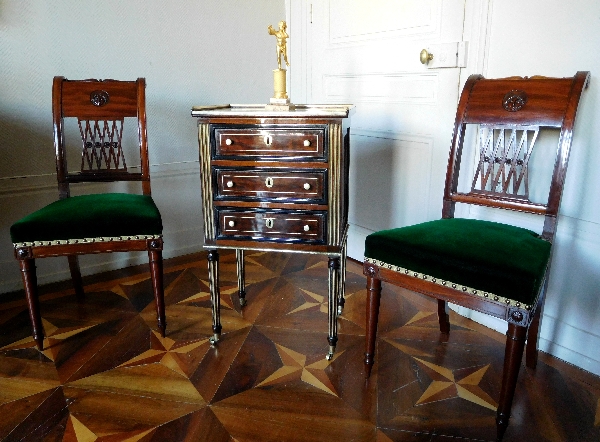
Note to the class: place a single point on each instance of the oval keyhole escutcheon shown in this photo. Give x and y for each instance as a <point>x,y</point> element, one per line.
<point>268,140</point>
<point>269,182</point>
<point>269,222</point>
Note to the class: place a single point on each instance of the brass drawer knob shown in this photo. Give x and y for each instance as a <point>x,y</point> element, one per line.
<point>229,141</point>
<point>306,228</point>
<point>231,223</point>
<point>229,184</point>
<point>306,143</point>
<point>306,186</point>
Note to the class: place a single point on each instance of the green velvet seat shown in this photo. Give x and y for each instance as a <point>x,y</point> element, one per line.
<point>491,259</point>
<point>109,215</point>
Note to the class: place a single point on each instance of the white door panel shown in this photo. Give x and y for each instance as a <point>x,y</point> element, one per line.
<point>367,54</point>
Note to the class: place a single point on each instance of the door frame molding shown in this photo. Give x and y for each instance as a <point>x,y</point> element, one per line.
<point>476,31</point>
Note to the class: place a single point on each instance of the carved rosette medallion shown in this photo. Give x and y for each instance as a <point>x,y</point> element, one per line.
<point>99,98</point>
<point>514,100</point>
<point>517,316</point>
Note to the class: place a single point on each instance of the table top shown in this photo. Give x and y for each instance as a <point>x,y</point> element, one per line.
<point>260,110</point>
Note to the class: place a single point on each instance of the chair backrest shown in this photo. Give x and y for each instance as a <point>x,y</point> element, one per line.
<point>100,108</point>
<point>508,114</point>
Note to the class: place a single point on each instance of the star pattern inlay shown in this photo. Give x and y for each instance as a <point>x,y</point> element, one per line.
<point>205,296</point>
<point>167,352</point>
<point>294,367</point>
<point>312,300</point>
<point>52,336</point>
<point>444,385</point>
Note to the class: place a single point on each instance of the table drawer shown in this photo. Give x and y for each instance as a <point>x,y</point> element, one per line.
<point>270,142</point>
<point>268,184</point>
<point>278,226</point>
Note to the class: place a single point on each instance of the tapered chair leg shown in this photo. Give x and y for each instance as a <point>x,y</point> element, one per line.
<point>513,355</point>
<point>156,273</point>
<point>342,284</point>
<point>215,295</point>
<point>31,294</point>
<point>531,349</point>
<point>373,301</point>
<point>76,275</point>
<point>443,317</point>
<point>241,276</point>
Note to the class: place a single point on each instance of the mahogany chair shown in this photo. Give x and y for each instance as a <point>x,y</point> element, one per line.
<point>101,222</point>
<point>491,267</point>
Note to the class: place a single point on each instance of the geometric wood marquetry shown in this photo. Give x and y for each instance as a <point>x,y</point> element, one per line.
<point>504,153</point>
<point>101,145</point>
<point>106,375</point>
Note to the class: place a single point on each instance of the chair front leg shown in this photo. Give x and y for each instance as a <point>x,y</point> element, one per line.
<point>443,317</point>
<point>156,273</point>
<point>76,276</point>
<point>513,355</point>
<point>29,276</point>
<point>373,301</point>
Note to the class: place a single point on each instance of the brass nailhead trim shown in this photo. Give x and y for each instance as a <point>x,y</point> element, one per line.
<point>63,242</point>
<point>444,283</point>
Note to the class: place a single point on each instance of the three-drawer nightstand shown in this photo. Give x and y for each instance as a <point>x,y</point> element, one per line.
<point>275,181</point>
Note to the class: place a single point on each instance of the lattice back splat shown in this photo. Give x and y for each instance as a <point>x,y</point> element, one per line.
<point>504,153</point>
<point>101,145</point>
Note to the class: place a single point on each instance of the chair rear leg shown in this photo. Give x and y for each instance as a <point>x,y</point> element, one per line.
<point>513,355</point>
<point>31,294</point>
<point>373,301</point>
<point>76,275</point>
<point>531,349</point>
<point>443,317</point>
<point>156,273</point>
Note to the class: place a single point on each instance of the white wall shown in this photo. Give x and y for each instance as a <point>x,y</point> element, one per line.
<point>191,52</point>
<point>558,38</point>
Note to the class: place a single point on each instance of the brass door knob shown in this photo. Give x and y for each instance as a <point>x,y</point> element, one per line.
<point>425,56</point>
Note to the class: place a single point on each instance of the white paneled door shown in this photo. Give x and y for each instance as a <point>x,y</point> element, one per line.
<point>367,53</point>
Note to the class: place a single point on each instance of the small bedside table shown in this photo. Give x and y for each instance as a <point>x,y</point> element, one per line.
<point>275,181</point>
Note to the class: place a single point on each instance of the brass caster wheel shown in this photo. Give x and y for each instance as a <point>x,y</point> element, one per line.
<point>329,355</point>
<point>243,302</point>
<point>340,310</point>
<point>213,340</point>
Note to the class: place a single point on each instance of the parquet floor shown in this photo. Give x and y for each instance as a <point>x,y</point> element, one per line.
<point>105,375</point>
